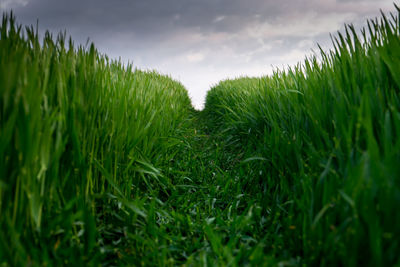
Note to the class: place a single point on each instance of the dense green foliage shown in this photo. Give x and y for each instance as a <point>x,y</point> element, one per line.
<point>326,136</point>
<point>77,131</point>
<point>103,164</point>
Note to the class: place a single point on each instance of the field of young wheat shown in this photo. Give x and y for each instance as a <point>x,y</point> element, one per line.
<point>104,164</point>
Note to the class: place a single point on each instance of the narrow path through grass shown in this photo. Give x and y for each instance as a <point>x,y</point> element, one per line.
<point>212,213</point>
<point>103,164</point>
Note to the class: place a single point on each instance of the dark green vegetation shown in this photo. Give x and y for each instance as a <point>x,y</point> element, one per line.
<point>100,164</point>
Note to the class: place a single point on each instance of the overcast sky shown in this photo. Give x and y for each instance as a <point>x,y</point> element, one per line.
<point>200,42</point>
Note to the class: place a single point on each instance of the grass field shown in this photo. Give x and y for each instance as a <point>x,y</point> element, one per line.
<point>104,164</point>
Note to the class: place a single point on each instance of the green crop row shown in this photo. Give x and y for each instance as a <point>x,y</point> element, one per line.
<point>77,131</point>
<point>325,136</point>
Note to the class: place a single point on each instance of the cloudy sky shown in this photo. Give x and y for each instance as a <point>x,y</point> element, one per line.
<point>200,42</point>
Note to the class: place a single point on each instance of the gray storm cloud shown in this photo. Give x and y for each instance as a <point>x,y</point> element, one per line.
<point>200,42</point>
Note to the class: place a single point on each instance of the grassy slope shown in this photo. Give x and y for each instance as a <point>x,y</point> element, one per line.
<point>104,165</point>
<point>80,136</point>
<point>326,138</point>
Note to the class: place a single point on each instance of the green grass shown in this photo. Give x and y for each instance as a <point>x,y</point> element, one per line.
<point>326,136</point>
<point>79,134</point>
<point>103,164</point>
